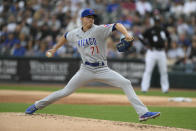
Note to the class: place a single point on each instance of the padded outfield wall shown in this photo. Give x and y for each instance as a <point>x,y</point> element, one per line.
<point>60,70</point>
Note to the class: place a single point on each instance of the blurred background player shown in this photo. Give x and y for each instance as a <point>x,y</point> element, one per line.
<point>156,39</point>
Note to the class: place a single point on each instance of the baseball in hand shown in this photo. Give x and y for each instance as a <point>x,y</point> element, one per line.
<point>49,54</point>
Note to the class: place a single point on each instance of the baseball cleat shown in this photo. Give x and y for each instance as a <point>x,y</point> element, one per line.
<point>149,115</point>
<point>31,109</point>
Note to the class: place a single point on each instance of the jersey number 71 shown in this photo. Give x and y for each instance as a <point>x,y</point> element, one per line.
<point>93,48</point>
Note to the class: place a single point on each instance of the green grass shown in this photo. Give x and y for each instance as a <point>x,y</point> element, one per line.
<point>172,93</point>
<point>180,117</point>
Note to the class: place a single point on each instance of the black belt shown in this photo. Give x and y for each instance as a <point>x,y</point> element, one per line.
<point>158,48</point>
<point>94,64</point>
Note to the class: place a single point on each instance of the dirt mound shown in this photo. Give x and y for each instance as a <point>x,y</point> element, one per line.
<point>45,122</point>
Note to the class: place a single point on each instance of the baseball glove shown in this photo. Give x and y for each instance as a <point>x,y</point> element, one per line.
<point>124,45</point>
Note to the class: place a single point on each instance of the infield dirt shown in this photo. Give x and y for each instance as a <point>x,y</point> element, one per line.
<point>43,122</point>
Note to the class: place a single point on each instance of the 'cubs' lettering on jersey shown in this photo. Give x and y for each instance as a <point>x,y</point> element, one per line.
<point>87,42</point>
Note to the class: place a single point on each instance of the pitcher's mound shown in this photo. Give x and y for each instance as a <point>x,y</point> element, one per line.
<point>46,122</point>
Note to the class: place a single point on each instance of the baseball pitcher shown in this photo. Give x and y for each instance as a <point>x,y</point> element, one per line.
<point>90,40</point>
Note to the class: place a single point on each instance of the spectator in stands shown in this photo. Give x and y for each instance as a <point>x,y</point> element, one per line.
<point>39,20</point>
<point>55,25</point>
<point>18,50</point>
<point>23,39</point>
<point>139,47</point>
<point>182,26</point>
<point>126,22</point>
<point>175,53</point>
<point>189,7</point>
<point>74,23</point>
<point>162,5</point>
<point>42,50</point>
<point>112,53</point>
<point>11,26</point>
<point>98,5</point>
<point>9,42</point>
<point>193,52</point>
<point>184,41</point>
<point>36,46</point>
<point>3,37</point>
<point>173,33</point>
<point>129,5</point>
<point>30,52</point>
<point>143,6</point>
<point>113,6</point>
<point>49,41</point>
<point>176,8</point>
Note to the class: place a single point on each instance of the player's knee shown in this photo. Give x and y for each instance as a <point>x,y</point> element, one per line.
<point>126,83</point>
<point>65,91</point>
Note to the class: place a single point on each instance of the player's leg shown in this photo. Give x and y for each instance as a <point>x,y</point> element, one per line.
<point>150,61</point>
<point>80,78</point>
<point>162,64</point>
<point>115,79</point>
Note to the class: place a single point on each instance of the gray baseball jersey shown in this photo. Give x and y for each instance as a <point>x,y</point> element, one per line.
<point>92,47</point>
<point>92,43</point>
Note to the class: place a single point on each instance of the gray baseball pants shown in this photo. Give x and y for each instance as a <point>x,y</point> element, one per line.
<point>103,74</point>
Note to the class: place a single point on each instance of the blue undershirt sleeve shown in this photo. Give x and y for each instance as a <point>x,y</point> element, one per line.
<point>114,27</point>
<point>66,35</point>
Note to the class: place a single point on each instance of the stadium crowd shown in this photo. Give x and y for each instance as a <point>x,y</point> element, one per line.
<point>30,27</point>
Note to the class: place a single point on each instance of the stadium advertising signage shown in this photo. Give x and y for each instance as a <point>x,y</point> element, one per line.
<point>8,69</point>
<point>131,70</point>
<point>44,71</point>
<point>59,70</point>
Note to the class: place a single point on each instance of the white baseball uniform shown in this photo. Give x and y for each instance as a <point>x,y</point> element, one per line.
<point>152,58</point>
<point>93,49</point>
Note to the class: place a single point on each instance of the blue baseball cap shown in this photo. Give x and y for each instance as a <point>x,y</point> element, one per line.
<point>88,12</point>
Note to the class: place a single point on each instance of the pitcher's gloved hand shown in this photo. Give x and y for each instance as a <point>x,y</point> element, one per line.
<point>124,45</point>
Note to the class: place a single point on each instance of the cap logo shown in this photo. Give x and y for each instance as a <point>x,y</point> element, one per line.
<point>90,11</point>
<point>87,12</point>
